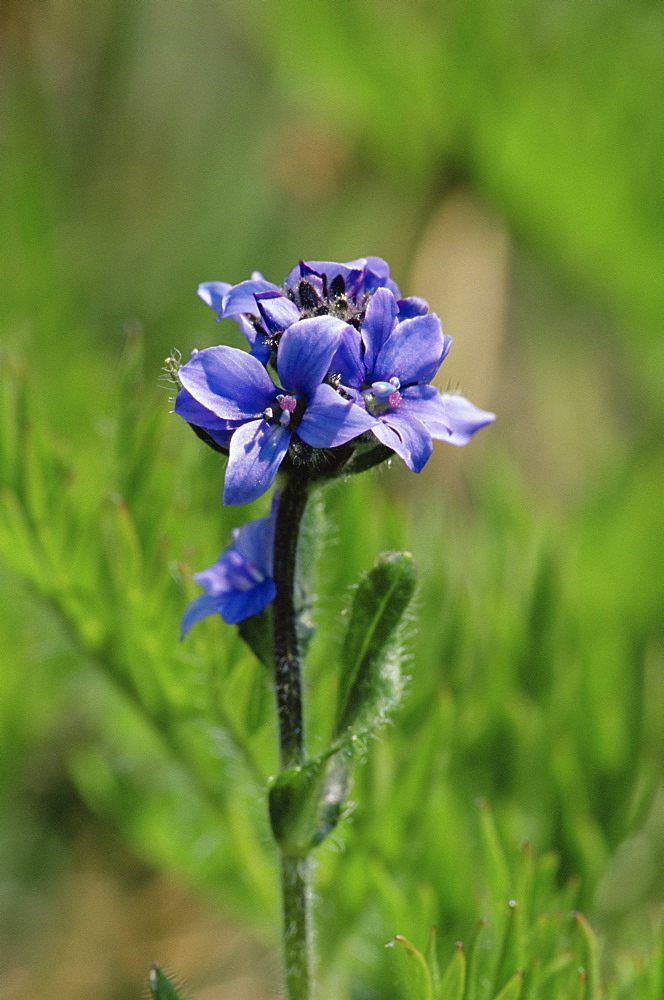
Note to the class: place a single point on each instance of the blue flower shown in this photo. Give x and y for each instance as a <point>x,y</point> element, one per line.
<point>230,392</point>
<point>240,583</point>
<point>353,356</point>
<point>389,366</point>
<point>264,311</point>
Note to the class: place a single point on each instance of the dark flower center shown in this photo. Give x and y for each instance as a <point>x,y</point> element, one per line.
<point>331,301</point>
<point>288,412</point>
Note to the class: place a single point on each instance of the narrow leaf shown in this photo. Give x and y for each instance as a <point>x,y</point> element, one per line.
<point>476,959</point>
<point>431,956</point>
<point>512,952</point>
<point>453,981</point>
<point>592,956</point>
<point>512,989</point>
<point>580,991</point>
<point>495,864</point>
<point>657,966</point>
<point>415,975</point>
<point>161,986</point>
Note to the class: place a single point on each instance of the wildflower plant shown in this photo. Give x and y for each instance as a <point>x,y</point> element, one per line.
<point>337,379</point>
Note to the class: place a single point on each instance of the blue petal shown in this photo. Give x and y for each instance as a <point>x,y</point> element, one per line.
<point>214,579</point>
<point>237,605</point>
<point>277,311</point>
<point>330,420</point>
<point>195,413</point>
<point>240,298</point>
<point>378,276</point>
<point>379,322</point>
<point>199,608</point>
<point>212,293</point>
<point>347,361</point>
<point>255,539</point>
<point>310,270</point>
<point>256,451</point>
<point>407,436</point>
<point>305,352</point>
<point>229,382</point>
<point>222,438</point>
<point>412,306</point>
<point>257,338</point>
<point>452,418</point>
<point>413,352</point>
<point>248,329</point>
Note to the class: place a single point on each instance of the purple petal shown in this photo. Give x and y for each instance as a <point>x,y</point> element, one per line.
<point>256,451</point>
<point>240,298</point>
<point>231,383</point>
<point>379,322</point>
<point>257,338</point>
<point>454,418</point>
<point>278,311</point>
<point>378,276</point>
<point>231,571</point>
<point>199,608</point>
<point>194,413</point>
<point>347,361</point>
<point>305,352</point>
<point>255,539</point>
<point>310,270</point>
<point>222,438</point>
<point>375,274</point>
<point>248,329</point>
<point>330,420</point>
<point>212,293</point>
<point>407,436</point>
<point>237,605</point>
<point>413,352</point>
<point>412,306</point>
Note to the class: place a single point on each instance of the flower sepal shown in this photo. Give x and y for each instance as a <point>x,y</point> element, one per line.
<point>306,802</point>
<point>257,631</point>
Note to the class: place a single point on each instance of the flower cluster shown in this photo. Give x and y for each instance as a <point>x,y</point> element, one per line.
<point>354,362</point>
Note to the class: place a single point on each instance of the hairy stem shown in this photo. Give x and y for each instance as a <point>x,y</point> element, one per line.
<point>288,685</point>
<point>286,649</point>
<point>297,948</point>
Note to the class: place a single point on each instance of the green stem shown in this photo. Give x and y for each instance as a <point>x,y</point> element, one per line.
<point>288,686</point>
<point>297,944</point>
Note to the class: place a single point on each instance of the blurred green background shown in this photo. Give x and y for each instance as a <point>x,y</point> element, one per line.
<point>506,159</point>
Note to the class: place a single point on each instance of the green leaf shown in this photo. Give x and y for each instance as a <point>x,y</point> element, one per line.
<point>431,956</point>
<point>305,803</point>
<point>580,991</point>
<point>475,958</point>
<point>656,976</point>
<point>414,971</point>
<point>454,978</point>
<point>512,989</point>
<point>592,960</point>
<point>495,863</point>
<point>512,952</point>
<point>161,986</point>
<point>371,683</point>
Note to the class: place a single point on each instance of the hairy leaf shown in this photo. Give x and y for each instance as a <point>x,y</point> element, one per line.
<point>371,683</point>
